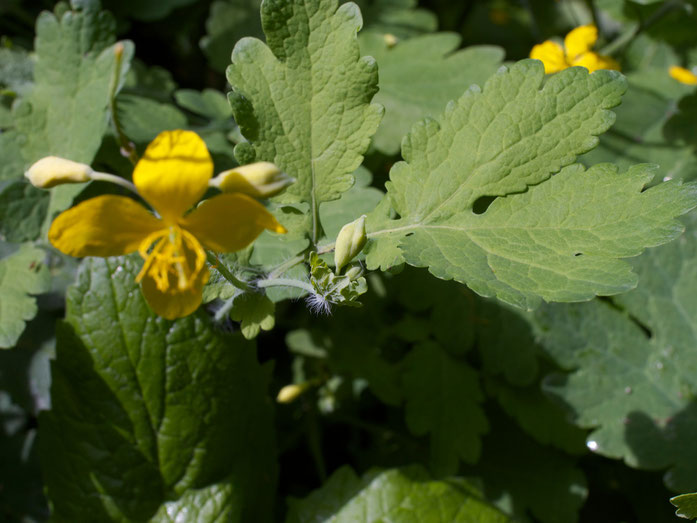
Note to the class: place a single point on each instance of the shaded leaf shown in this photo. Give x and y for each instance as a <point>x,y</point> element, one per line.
<point>152,417</point>
<point>399,495</point>
<point>22,274</point>
<point>442,399</point>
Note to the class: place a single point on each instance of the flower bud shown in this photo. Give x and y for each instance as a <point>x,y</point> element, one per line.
<point>390,40</point>
<point>51,171</point>
<point>258,180</point>
<point>290,393</point>
<point>354,273</point>
<point>349,242</point>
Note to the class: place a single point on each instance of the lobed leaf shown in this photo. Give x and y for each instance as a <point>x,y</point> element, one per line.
<point>22,274</point>
<point>303,101</point>
<point>633,371</point>
<point>443,399</point>
<point>560,240</point>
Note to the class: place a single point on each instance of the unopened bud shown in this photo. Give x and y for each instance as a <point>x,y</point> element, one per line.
<point>354,273</point>
<point>258,180</point>
<point>51,171</point>
<point>290,393</point>
<point>349,242</point>
<point>390,39</point>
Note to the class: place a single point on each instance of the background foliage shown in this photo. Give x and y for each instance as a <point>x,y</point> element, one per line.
<point>432,402</point>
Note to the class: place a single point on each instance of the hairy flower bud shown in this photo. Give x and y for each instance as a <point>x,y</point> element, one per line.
<point>258,180</point>
<point>51,171</point>
<point>349,242</point>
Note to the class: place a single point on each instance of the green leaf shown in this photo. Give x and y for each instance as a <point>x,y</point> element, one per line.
<point>561,240</point>
<point>66,111</point>
<point>633,370</point>
<point>23,210</point>
<point>228,21</point>
<point>442,398</point>
<point>16,70</point>
<point>539,416</point>
<point>399,495</point>
<point>21,274</point>
<point>358,200</point>
<point>420,75</point>
<point>254,311</point>
<point>400,18</point>
<point>304,101</point>
<point>687,505</point>
<point>209,103</point>
<point>648,128</point>
<point>150,417</point>
<point>142,118</point>
<point>524,477</point>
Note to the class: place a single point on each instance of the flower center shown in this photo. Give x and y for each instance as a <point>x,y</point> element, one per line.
<point>175,260</point>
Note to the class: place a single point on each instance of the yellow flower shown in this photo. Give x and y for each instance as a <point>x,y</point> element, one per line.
<point>172,176</point>
<point>576,51</point>
<point>682,75</point>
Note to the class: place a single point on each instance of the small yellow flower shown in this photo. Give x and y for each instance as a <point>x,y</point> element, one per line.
<point>172,176</point>
<point>576,51</point>
<point>682,75</point>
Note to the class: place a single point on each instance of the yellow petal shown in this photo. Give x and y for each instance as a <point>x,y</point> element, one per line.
<point>579,41</point>
<point>551,54</point>
<point>102,226</point>
<point>229,222</point>
<point>173,173</point>
<point>181,293</point>
<point>682,75</point>
<point>593,62</point>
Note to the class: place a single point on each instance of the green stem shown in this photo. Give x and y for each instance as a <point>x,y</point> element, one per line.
<point>296,260</point>
<point>116,79</point>
<point>112,178</point>
<point>285,282</point>
<point>222,269</point>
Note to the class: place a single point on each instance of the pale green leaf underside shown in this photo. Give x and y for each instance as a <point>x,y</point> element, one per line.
<point>397,495</point>
<point>303,101</point>
<point>21,274</point>
<point>561,240</point>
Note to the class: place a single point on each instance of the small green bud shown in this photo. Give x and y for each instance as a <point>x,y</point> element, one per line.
<point>349,242</point>
<point>52,170</point>
<point>354,273</point>
<point>258,180</point>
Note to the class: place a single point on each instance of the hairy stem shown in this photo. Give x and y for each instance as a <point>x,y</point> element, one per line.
<point>285,282</point>
<point>222,269</point>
